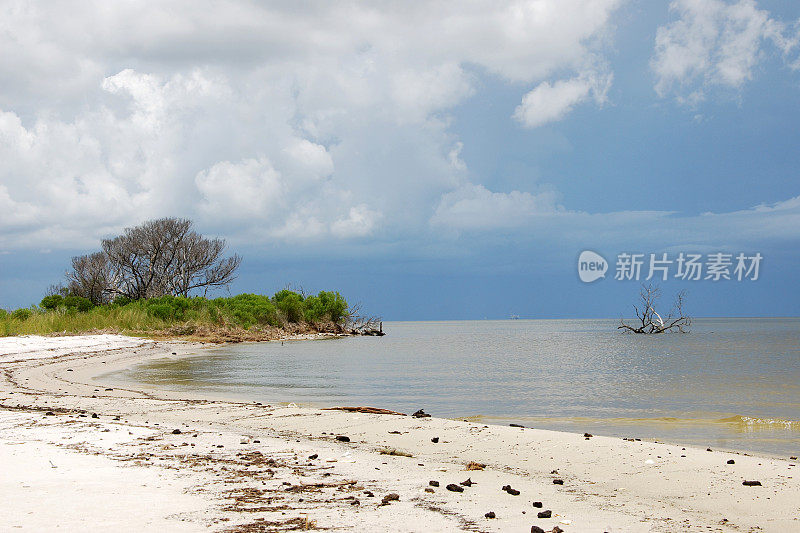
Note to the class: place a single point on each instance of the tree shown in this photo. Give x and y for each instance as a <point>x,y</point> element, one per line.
<point>157,258</point>
<point>649,321</point>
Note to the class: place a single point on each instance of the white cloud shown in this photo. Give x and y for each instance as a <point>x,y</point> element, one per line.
<point>550,102</point>
<point>715,44</point>
<point>263,120</point>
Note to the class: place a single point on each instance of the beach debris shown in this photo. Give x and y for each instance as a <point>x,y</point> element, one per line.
<point>472,465</point>
<point>508,489</point>
<point>49,413</point>
<point>557,529</point>
<point>368,410</point>
<point>342,438</point>
<point>545,514</point>
<point>429,489</point>
<point>435,440</point>
<point>369,494</point>
<point>516,425</point>
<point>537,529</point>
<point>94,415</point>
<point>537,504</point>
<point>395,433</point>
<point>731,462</point>
<point>355,502</point>
<point>558,482</point>
<point>421,414</point>
<point>452,487</point>
<point>588,435</point>
<point>51,464</point>
<point>709,450</point>
<point>314,456</point>
<point>751,483</point>
<point>433,483</point>
<point>490,514</point>
<point>391,497</point>
<point>467,483</point>
<point>176,431</point>
<point>793,458</point>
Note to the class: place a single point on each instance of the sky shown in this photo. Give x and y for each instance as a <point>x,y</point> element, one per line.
<point>431,160</point>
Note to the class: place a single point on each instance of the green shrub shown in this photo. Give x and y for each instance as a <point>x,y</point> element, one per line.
<point>22,314</point>
<point>290,304</point>
<point>53,301</point>
<point>247,310</point>
<point>326,306</point>
<point>78,302</point>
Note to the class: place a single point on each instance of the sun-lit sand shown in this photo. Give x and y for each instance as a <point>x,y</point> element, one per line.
<point>78,454</point>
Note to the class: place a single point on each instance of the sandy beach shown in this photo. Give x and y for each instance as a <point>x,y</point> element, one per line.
<point>78,453</point>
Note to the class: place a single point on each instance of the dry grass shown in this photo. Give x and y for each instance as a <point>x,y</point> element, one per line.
<point>472,465</point>
<point>394,451</point>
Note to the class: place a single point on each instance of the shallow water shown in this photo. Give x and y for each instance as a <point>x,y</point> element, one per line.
<point>730,383</point>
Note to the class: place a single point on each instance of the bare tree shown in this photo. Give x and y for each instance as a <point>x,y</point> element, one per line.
<point>157,258</point>
<point>650,321</point>
<point>89,277</point>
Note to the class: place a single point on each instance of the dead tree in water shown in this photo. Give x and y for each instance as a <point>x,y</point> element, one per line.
<point>649,321</point>
<point>364,325</point>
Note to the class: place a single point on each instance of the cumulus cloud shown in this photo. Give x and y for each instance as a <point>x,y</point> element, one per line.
<point>550,102</point>
<point>714,43</point>
<point>262,121</point>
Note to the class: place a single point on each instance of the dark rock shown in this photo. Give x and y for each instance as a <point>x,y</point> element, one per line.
<point>49,413</point>
<point>709,449</point>
<point>433,483</point>
<point>556,529</point>
<point>793,458</point>
<point>109,389</point>
<point>731,462</point>
<point>490,514</point>
<point>516,425</point>
<point>554,471</point>
<point>355,502</point>
<point>313,456</point>
<point>391,433</point>
<point>342,438</point>
<point>176,431</point>
<point>428,489</point>
<point>467,483</point>
<point>558,482</point>
<point>545,514</point>
<point>69,370</point>
<point>368,493</point>
<point>435,440</point>
<point>588,435</point>
<point>421,414</point>
<point>508,489</point>
<point>751,483</point>
<point>94,415</point>
<point>454,488</point>
<point>537,529</point>
<point>537,504</point>
<point>174,353</point>
<point>391,497</point>
<point>256,441</point>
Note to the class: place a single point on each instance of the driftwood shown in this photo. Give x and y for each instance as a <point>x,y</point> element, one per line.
<point>651,321</point>
<point>369,410</point>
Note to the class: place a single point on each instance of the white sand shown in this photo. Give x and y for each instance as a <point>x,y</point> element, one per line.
<point>154,479</point>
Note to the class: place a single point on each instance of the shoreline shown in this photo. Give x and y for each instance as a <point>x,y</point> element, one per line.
<point>255,468</point>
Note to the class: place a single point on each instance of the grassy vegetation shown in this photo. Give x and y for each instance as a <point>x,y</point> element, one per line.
<point>238,317</point>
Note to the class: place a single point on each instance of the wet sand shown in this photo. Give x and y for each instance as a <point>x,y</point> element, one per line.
<point>76,453</point>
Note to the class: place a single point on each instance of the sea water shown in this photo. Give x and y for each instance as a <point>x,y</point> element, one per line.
<point>728,383</point>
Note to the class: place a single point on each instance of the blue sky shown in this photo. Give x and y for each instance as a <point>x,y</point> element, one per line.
<point>439,161</point>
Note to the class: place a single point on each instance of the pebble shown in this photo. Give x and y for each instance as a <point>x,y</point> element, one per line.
<point>391,497</point>
<point>537,529</point>
<point>467,482</point>
<point>428,489</point>
<point>435,440</point>
<point>454,488</point>
<point>342,438</point>
<point>49,413</point>
<point>508,489</point>
<point>421,414</point>
<point>731,462</point>
<point>751,483</point>
<point>176,431</point>
<point>588,435</point>
<point>94,415</point>
<point>558,482</point>
<point>537,504</point>
<point>433,483</point>
<point>545,514</point>
<point>516,425</point>
<point>490,514</point>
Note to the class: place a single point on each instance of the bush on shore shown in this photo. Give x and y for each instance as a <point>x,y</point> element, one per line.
<point>73,314</point>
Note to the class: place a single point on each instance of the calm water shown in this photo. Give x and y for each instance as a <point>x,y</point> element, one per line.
<point>730,383</point>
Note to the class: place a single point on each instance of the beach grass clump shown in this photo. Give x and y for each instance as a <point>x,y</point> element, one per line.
<point>180,315</point>
<point>472,465</point>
